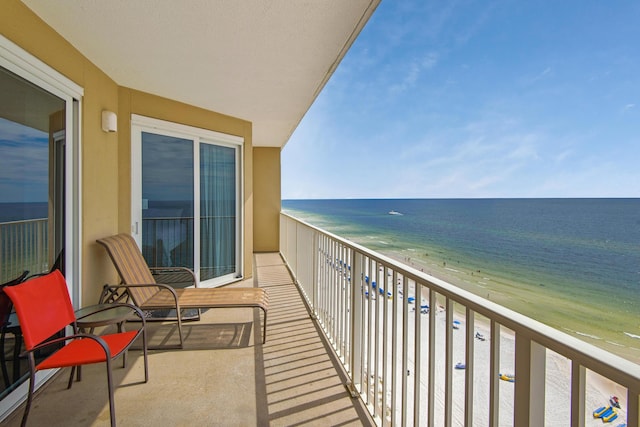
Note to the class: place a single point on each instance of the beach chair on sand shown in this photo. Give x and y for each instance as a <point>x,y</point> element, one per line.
<point>140,286</point>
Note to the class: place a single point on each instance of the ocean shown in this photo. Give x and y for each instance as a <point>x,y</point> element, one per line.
<point>20,211</point>
<point>573,264</point>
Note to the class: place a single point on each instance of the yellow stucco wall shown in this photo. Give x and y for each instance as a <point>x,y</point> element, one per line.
<point>105,158</point>
<point>266,215</point>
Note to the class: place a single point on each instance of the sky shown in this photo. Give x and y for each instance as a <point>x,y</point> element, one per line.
<point>23,148</point>
<point>478,99</point>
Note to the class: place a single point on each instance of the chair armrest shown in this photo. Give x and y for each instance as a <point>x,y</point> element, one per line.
<point>174,275</point>
<point>94,337</point>
<point>112,290</point>
<point>112,306</point>
<point>110,294</point>
<point>45,344</point>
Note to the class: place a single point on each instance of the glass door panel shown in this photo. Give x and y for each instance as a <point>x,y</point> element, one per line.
<point>218,211</point>
<point>167,200</point>
<point>32,197</point>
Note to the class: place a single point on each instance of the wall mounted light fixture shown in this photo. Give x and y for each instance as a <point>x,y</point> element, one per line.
<point>109,121</point>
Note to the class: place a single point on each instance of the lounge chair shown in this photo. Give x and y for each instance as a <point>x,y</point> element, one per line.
<point>139,284</point>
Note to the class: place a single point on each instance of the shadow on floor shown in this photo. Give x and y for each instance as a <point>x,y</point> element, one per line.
<point>303,383</point>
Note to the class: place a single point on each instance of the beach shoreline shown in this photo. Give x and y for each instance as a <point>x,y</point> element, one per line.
<point>487,285</point>
<point>553,260</point>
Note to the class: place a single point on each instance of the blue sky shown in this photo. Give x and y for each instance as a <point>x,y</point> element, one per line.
<point>23,148</point>
<point>457,99</point>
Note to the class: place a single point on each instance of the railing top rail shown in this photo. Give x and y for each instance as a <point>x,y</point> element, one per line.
<point>23,221</point>
<point>174,218</point>
<point>616,368</point>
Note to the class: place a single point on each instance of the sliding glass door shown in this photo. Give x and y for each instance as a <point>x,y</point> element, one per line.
<point>39,193</point>
<point>185,199</point>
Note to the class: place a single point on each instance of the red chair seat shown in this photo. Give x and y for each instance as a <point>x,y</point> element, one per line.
<point>86,351</point>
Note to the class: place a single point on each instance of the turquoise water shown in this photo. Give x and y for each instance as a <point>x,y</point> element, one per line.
<point>571,263</point>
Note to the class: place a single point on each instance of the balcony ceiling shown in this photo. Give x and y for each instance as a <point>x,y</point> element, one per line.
<point>260,60</point>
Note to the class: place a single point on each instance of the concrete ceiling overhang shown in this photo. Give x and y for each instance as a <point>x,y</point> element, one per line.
<point>264,61</point>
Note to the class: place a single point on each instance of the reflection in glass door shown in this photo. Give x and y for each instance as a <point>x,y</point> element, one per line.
<point>32,199</point>
<point>167,201</point>
<point>185,195</point>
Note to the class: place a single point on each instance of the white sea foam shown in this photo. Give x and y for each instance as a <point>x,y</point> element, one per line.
<point>452,269</point>
<point>614,343</point>
<point>595,337</point>
<point>632,335</point>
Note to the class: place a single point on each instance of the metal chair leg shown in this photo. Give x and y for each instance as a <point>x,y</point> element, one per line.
<point>3,361</point>
<point>264,332</point>
<point>17,337</point>
<point>112,409</point>
<point>32,380</point>
<point>180,328</point>
<point>144,352</point>
<point>70,383</point>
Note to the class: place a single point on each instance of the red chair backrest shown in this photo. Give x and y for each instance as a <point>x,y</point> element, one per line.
<point>43,307</point>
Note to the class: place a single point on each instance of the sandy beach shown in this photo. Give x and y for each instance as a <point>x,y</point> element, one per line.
<point>558,378</point>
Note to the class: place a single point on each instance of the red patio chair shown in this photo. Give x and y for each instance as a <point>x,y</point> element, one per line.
<point>44,308</point>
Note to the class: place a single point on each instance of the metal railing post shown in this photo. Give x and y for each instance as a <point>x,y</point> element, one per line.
<point>468,374</point>
<point>356,326</point>
<point>315,273</point>
<point>494,381</point>
<point>633,406</point>
<point>530,384</point>
<point>448,367</point>
<point>578,386</point>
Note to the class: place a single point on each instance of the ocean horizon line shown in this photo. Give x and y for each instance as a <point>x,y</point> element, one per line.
<point>464,198</point>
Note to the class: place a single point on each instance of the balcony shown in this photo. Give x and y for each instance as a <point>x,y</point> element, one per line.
<point>223,376</point>
<point>369,311</point>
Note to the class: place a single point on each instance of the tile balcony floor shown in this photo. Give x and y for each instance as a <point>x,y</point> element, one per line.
<point>223,377</point>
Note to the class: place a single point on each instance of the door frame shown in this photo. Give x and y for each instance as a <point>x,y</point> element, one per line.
<point>141,124</point>
<point>30,68</point>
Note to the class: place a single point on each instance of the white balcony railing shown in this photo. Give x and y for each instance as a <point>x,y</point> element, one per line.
<point>23,246</point>
<point>363,301</point>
